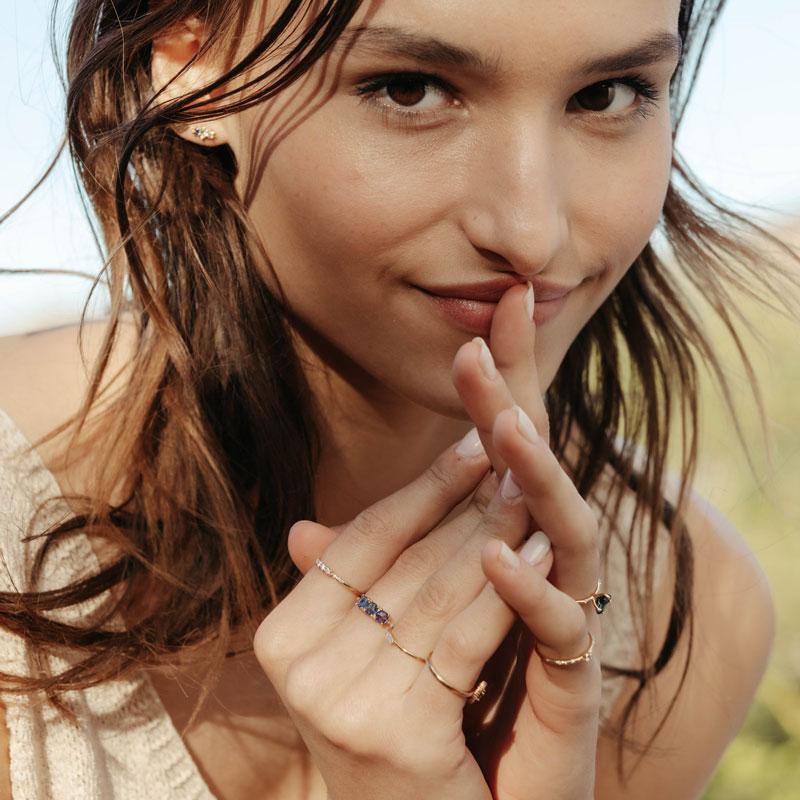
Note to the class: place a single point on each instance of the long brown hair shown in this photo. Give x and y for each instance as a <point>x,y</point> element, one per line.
<point>216,437</point>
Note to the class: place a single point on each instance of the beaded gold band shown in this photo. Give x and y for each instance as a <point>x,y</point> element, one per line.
<point>565,662</point>
<point>598,599</point>
<point>471,697</point>
<point>328,571</point>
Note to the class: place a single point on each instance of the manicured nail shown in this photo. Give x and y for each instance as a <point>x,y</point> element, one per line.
<point>471,445</point>
<point>509,490</point>
<point>508,558</point>
<point>536,548</point>
<point>529,301</point>
<point>525,425</point>
<point>487,362</point>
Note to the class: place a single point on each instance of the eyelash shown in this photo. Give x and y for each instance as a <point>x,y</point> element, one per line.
<point>368,91</point>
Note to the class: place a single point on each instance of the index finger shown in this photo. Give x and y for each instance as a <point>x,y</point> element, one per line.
<point>370,543</point>
<point>513,343</point>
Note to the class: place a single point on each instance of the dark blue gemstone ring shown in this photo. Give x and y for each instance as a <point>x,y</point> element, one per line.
<point>371,609</point>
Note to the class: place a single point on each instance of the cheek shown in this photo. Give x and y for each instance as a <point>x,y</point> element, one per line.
<point>332,214</point>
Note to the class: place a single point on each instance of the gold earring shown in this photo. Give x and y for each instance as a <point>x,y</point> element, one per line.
<point>204,133</point>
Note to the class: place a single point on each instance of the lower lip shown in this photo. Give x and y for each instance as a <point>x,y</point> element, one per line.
<point>475,316</point>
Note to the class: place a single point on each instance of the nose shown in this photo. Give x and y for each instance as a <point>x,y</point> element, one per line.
<point>515,198</point>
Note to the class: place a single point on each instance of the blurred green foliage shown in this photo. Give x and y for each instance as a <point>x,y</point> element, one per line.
<point>763,761</point>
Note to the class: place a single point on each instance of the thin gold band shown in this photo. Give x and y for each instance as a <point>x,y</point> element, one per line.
<point>565,662</point>
<point>328,571</point>
<point>471,696</point>
<point>390,638</point>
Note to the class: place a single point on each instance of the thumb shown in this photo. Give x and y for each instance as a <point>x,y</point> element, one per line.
<point>307,541</point>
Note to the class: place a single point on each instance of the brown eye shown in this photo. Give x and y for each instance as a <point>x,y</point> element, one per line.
<point>601,96</point>
<point>406,91</point>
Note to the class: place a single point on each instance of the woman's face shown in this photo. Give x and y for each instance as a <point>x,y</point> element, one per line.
<point>536,170</point>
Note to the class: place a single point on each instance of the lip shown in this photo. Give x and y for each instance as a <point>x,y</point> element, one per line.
<point>492,291</point>
<point>472,306</point>
<point>475,316</point>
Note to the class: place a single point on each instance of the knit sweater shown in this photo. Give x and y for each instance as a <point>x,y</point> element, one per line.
<point>126,746</point>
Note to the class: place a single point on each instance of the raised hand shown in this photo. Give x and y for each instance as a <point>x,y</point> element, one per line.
<point>376,720</point>
<point>541,735</point>
<point>544,728</point>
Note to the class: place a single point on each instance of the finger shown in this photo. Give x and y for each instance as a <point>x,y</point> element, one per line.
<point>424,591</point>
<point>472,637</point>
<point>549,493</point>
<point>307,541</point>
<point>560,626</point>
<point>369,544</point>
<point>512,343</point>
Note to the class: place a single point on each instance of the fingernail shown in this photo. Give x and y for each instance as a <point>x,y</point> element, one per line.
<point>536,548</point>
<point>487,362</point>
<point>525,425</point>
<point>471,445</point>
<point>529,301</point>
<point>508,557</point>
<point>509,490</point>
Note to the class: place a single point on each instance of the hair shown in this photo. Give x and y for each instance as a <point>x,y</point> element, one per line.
<point>218,391</point>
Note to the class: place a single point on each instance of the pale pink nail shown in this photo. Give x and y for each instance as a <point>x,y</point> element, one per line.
<point>471,445</point>
<point>529,301</point>
<point>536,548</point>
<point>509,490</point>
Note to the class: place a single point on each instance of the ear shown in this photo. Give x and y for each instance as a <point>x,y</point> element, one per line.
<point>171,51</point>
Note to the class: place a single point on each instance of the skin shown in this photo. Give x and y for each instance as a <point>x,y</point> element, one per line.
<point>352,210</point>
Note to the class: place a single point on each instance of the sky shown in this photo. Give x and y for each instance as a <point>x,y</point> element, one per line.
<point>739,135</point>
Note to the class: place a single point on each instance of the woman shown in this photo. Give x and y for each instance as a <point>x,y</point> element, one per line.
<point>287,193</point>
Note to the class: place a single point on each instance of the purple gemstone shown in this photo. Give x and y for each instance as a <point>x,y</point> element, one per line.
<point>372,608</point>
<point>382,617</point>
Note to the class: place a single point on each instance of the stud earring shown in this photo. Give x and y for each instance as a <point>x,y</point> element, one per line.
<point>204,133</point>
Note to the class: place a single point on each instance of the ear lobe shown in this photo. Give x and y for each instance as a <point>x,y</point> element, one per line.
<point>170,53</point>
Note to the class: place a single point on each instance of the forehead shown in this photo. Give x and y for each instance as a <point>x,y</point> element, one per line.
<point>516,35</point>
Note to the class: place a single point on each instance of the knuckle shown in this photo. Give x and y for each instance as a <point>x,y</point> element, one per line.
<point>456,645</point>
<point>486,490</point>
<point>300,688</point>
<point>371,524</point>
<point>417,562</point>
<point>434,598</point>
<point>439,479</point>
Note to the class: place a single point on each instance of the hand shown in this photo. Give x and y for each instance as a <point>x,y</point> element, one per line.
<point>542,713</point>
<point>377,722</point>
<point>543,730</point>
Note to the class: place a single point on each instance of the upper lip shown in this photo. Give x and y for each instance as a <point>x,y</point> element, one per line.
<point>492,291</point>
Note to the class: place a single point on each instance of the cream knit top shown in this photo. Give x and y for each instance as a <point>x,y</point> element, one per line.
<point>126,746</point>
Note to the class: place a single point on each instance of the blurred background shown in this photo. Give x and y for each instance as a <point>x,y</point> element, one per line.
<point>740,136</point>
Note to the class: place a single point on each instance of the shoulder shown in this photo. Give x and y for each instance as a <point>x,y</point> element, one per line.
<point>46,375</point>
<point>733,634</point>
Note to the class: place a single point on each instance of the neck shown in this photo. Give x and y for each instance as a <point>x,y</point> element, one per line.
<point>374,440</point>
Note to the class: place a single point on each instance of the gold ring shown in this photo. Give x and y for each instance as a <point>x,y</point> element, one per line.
<point>328,571</point>
<point>390,638</point>
<point>564,662</point>
<point>598,599</point>
<point>472,696</point>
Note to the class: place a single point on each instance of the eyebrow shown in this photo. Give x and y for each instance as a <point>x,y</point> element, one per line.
<point>386,40</point>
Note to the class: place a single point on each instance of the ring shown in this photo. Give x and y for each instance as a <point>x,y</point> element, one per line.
<point>373,610</point>
<point>472,696</point>
<point>564,662</point>
<point>390,638</point>
<point>328,571</point>
<point>598,599</point>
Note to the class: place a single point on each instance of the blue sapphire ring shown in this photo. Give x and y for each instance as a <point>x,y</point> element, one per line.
<point>372,610</point>
<point>598,599</point>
